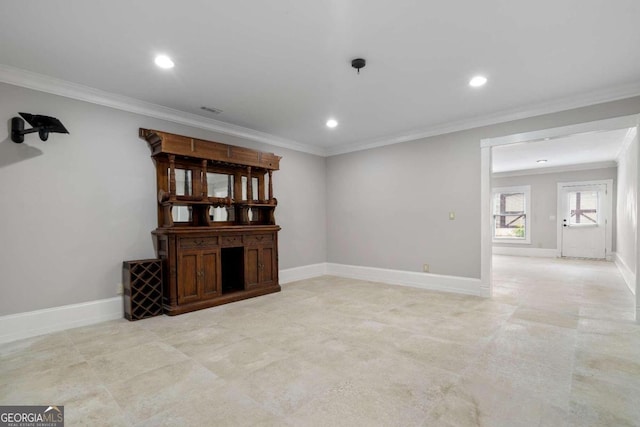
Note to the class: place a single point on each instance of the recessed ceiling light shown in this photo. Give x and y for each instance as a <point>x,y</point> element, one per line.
<point>331,123</point>
<point>478,81</point>
<point>541,161</point>
<point>163,61</point>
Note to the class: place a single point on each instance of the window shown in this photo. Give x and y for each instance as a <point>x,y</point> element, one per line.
<point>511,214</point>
<point>583,207</point>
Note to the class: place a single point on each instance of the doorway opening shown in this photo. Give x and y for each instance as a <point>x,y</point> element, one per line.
<point>591,211</point>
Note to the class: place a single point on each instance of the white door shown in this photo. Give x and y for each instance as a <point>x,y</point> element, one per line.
<point>583,220</point>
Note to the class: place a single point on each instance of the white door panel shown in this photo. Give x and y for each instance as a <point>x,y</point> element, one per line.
<point>583,242</point>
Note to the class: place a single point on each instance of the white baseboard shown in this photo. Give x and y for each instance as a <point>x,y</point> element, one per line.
<point>300,273</point>
<point>433,282</point>
<point>628,275</point>
<point>32,323</point>
<point>533,252</point>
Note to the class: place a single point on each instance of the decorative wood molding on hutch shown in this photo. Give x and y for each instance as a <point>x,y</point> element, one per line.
<point>216,234</point>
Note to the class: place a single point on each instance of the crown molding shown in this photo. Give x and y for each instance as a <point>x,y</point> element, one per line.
<point>557,169</point>
<point>631,133</point>
<point>614,123</point>
<point>40,82</point>
<point>568,103</point>
<point>43,83</point>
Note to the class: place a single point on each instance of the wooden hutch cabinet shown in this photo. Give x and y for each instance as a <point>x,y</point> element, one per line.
<point>216,232</point>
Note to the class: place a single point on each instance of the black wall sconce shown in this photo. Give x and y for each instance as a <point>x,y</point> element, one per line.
<point>41,124</point>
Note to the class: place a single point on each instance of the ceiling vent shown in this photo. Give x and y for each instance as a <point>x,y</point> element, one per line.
<point>211,110</point>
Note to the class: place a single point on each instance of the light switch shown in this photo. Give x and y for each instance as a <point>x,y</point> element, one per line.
<point>552,217</point>
<point>452,215</point>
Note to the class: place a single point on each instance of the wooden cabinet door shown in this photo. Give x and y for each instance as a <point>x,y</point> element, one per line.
<point>267,265</point>
<point>198,275</point>
<point>210,273</point>
<point>188,269</point>
<point>260,265</point>
<point>251,266</point>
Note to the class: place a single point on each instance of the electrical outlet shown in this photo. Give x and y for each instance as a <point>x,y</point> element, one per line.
<point>119,289</point>
<point>425,268</point>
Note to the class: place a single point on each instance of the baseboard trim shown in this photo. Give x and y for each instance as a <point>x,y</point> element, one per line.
<point>310,271</point>
<point>433,282</point>
<point>628,275</point>
<point>532,252</point>
<point>18,326</point>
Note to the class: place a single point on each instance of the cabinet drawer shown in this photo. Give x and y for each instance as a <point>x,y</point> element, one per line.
<point>231,241</point>
<point>256,239</point>
<point>198,242</point>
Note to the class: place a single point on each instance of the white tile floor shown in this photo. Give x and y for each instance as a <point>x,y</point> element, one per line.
<point>556,346</point>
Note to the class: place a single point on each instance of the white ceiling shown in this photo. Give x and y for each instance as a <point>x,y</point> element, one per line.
<point>585,148</point>
<point>283,67</point>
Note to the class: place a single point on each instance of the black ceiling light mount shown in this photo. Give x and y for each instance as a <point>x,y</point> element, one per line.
<point>41,124</point>
<point>358,63</point>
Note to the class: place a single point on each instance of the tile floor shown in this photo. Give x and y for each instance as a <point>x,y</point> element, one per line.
<point>556,346</point>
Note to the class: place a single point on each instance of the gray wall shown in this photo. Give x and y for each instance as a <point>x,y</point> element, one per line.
<point>388,207</point>
<point>628,205</point>
<point>544,202</point>
<point>73,208</point>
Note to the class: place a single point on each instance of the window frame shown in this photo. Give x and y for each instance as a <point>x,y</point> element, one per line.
<point>526,190</point>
